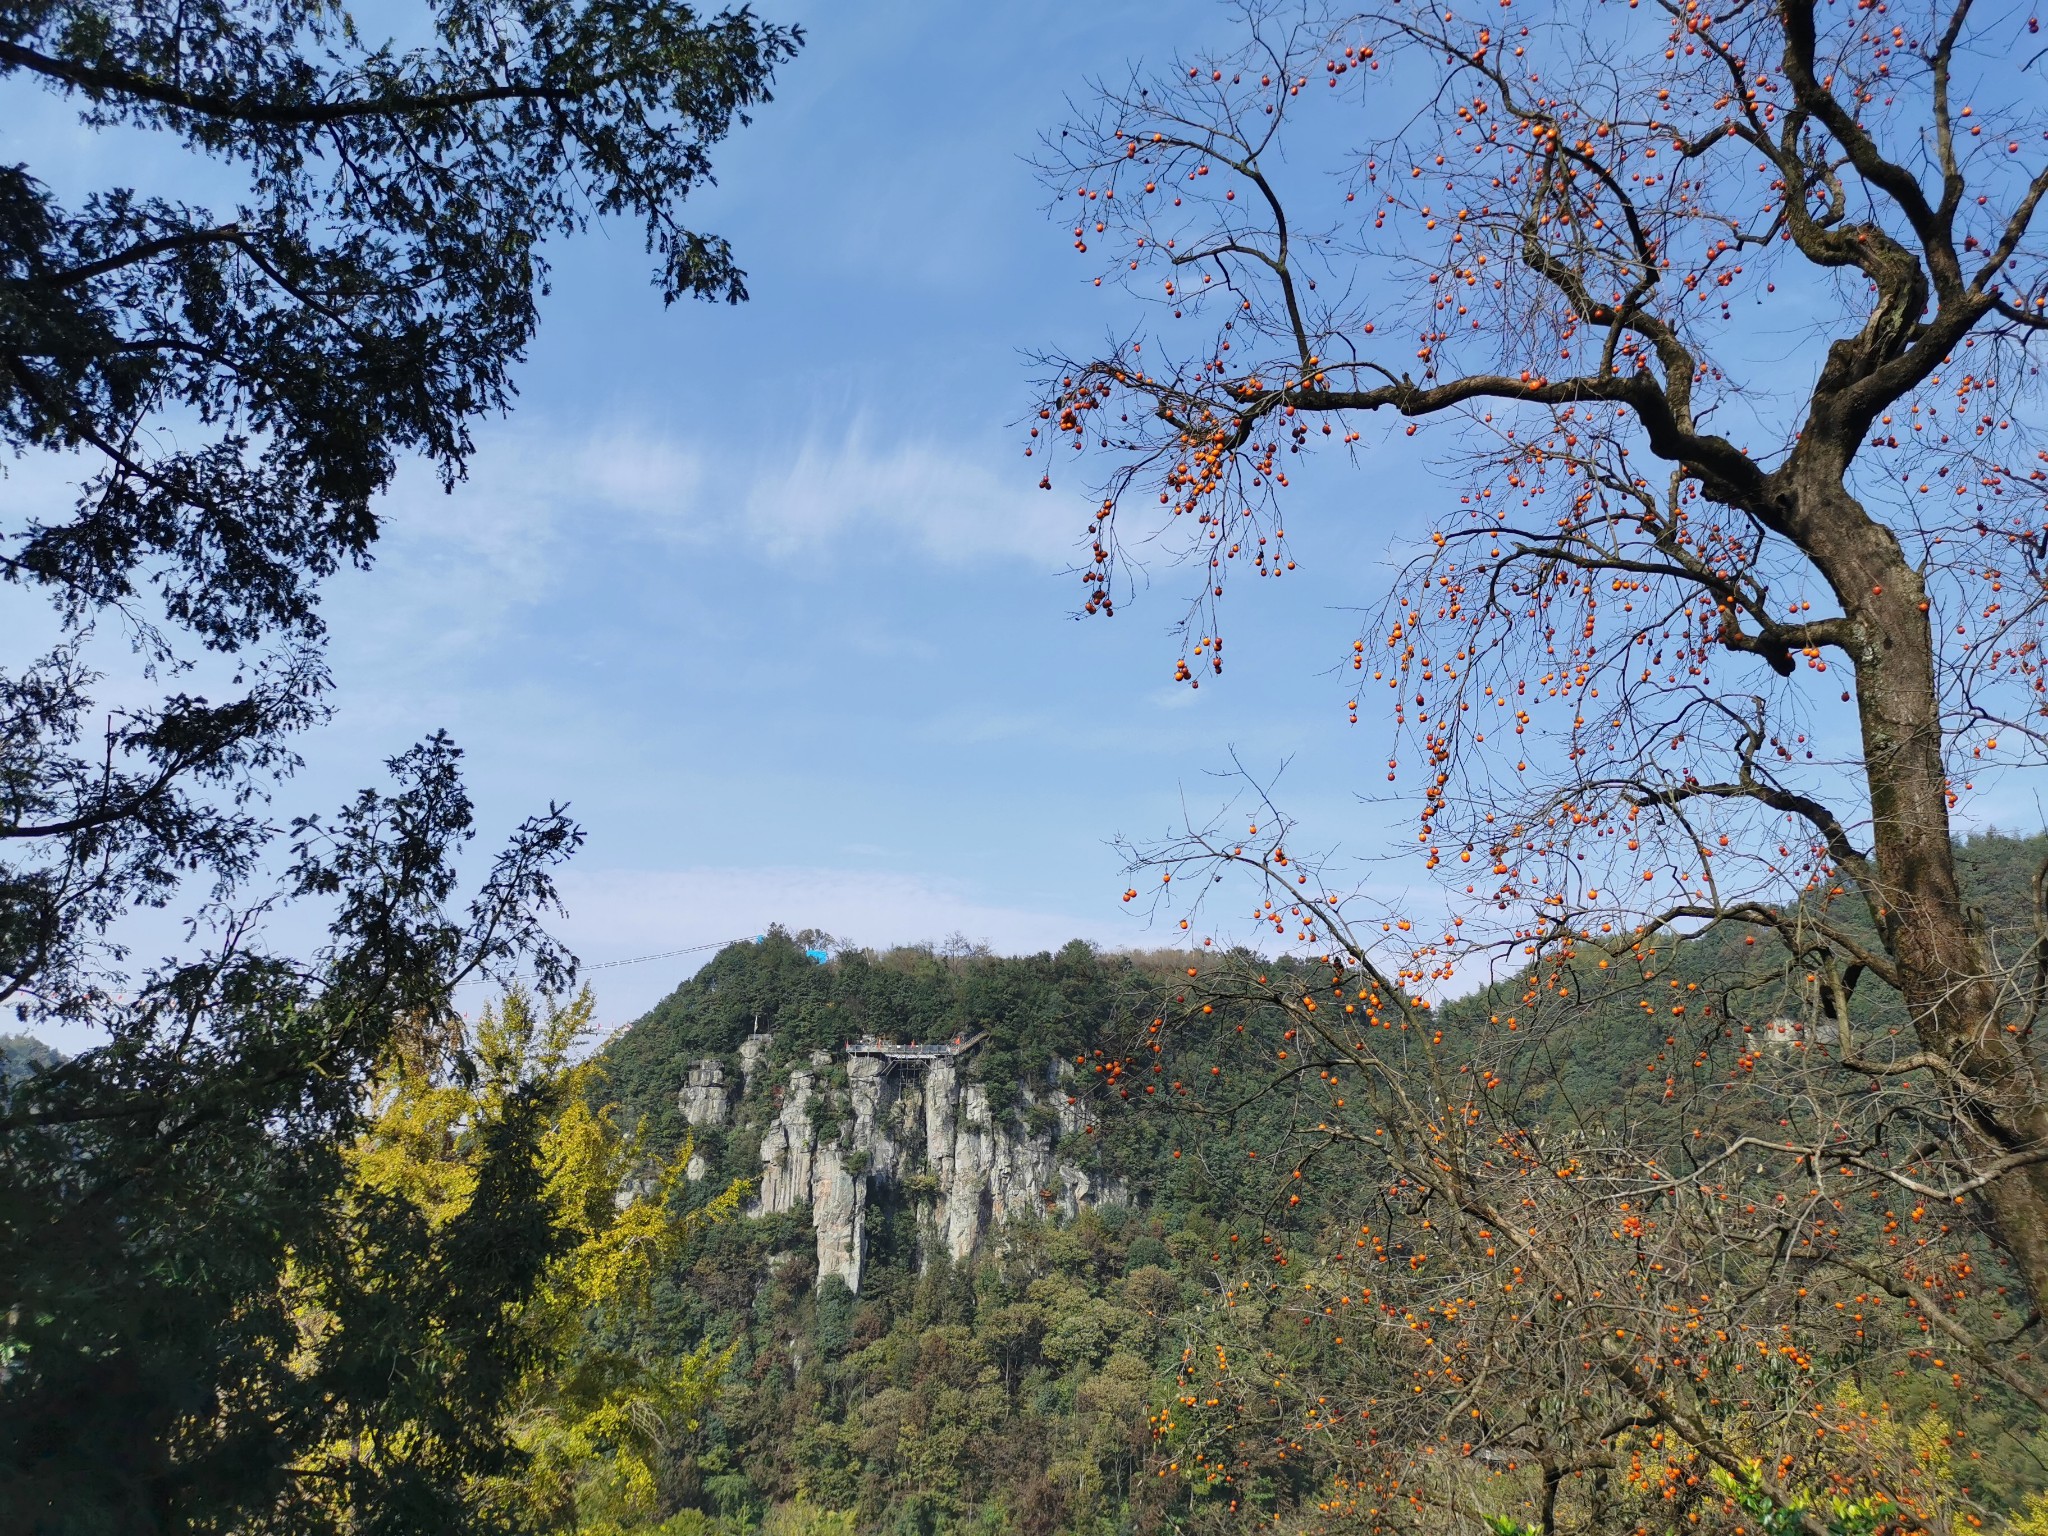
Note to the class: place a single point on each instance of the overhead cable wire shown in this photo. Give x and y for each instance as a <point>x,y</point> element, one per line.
<point>666,954</point>
<point>670,954</point>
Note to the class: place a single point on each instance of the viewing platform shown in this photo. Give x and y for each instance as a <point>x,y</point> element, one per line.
<point>890,1050</point>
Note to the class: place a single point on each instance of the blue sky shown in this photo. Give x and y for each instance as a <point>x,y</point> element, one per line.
<point>770,595</point>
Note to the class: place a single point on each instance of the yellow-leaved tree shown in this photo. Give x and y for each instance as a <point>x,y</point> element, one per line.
<point>597,1426</point>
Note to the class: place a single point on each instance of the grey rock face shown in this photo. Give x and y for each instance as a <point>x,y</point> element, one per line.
<point>800,1168</point>
<point>924,1120</point>
<point>706,1097</point>
<point>753,1051</point>
<point>789,1149</point>
<point>839,1217</point>
<point>990,1173</point>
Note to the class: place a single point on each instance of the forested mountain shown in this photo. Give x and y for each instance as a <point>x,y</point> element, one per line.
<point>1003,1382</point>
<point>933,1353</point>
<point>962,1228</point>
<point>22,1054</point>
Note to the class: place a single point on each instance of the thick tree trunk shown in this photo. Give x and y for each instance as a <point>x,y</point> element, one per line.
<point>1945,970</point>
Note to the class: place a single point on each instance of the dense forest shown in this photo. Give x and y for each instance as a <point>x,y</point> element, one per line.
<point>703,1378</point>
<point>1034,1386</point>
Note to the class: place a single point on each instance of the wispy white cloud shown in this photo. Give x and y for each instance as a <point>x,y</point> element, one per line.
<point>456,569</point>
<point>785,501</point>
<point>633,470</point>
<point>530,495</point>
<point>540,499</point>
<point>946,502</point>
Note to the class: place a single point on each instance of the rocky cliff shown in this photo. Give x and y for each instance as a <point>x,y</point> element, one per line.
<point>841,1130</point>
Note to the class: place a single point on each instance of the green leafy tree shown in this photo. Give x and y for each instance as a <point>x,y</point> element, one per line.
<point>155,1191</point>
<point>230,384</point>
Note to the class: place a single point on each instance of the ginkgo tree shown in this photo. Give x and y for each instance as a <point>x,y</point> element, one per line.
<point>591,1428</point>
<point>1727,321</point>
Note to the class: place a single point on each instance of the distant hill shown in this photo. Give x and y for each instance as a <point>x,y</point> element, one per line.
<point>720,1058</point>
<point>1606,1052</point>
<point>23,1054</point>
<point>957,1293</point>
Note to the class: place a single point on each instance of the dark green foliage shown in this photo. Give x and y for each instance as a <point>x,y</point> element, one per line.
<point>1011,1393</point>
<point>232,386</point>
<point>1008,1393</point>
<point>368,295</point>
<point>153,1192</point>
<point>238,383</point>
<point>835,1305</point>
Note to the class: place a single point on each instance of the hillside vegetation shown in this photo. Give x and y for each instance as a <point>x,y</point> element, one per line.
<point>1033,1386</point>
<point>1042,1384</point>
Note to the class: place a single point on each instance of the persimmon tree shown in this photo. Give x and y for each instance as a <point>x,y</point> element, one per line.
<point>1726,322</point>
<point>1488,1289</point>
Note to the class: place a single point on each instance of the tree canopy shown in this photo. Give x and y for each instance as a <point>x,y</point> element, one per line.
<point>1317,1339</point>
<point>228,382</point>
<point>231,387</point>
